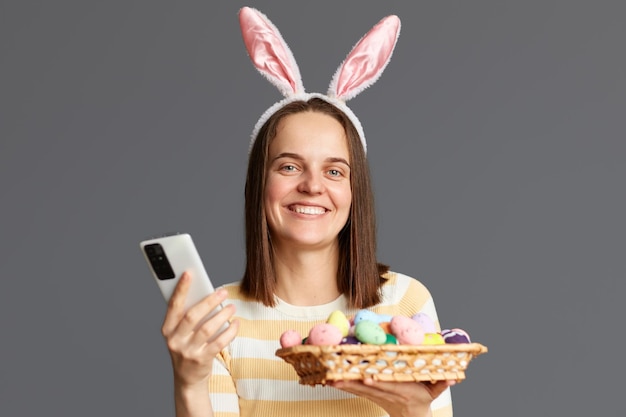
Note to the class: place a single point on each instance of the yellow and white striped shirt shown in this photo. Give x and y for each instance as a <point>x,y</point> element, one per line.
<point>249,380</point>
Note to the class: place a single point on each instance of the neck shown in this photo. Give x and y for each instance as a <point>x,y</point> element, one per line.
<point>307,278</point>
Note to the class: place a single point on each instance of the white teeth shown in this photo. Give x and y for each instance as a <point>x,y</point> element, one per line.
<point>309,210</point>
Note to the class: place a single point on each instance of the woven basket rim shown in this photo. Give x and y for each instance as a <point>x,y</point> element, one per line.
<point>474,348</point>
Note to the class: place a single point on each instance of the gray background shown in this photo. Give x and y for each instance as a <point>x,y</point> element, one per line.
<point>496,141</point>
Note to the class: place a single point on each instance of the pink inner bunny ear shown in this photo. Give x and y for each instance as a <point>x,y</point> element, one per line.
<point>269,52</point>
<point>367,60</point>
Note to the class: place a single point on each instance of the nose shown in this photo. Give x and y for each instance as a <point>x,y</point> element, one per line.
<point>311,183</point>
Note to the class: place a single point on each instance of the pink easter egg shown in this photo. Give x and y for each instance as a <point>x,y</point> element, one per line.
<point>290,338</point>
<point>406,330</point>
<point>324,334</point>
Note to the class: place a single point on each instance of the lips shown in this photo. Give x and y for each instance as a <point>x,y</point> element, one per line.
<point>301,209</point>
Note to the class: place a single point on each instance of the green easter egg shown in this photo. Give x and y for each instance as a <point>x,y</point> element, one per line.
<point>369,332</point>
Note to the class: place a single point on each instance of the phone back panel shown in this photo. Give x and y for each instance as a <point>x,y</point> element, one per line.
<point>182,255</point>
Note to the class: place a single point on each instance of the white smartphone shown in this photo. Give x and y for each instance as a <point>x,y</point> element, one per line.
<point>169,257</point>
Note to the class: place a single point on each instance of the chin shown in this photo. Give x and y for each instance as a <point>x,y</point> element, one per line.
<point>310,241</point>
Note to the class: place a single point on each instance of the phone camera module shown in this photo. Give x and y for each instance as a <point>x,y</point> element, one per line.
<point>158,260</point>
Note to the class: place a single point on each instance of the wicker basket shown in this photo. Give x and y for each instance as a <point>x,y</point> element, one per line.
<point>321,364</point>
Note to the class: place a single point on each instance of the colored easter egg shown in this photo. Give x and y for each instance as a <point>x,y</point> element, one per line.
<point>338,319</point>
<point>433,339</point>
<point>428,324</point>
<point>455,336</point>
<point>350,340</point>
<point>386,326</point>
<point>290,338</point>
<point>365,315</point>
<point>407,330</point>
<point>370,332</point>
<point>384,318</point>
<point>323,334</point>
<point>391,340</point>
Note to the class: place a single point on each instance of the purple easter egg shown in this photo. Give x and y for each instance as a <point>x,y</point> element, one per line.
<point>350,340</point>
<point>455,336</point>
<point>428,324</point>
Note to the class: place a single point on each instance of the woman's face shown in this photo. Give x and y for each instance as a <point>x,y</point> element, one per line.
<point>308,193</point>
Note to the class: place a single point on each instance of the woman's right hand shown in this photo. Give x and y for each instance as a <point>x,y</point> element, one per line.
<point>193,346</point>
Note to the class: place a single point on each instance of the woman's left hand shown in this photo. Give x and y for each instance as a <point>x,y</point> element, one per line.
<point>399,399</point>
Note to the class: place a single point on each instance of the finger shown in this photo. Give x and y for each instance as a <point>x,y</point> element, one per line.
<point>176,304</point>
<point>223,339</point>
<point>388,386</point>
<point>197,313</point>
<point>390,389</point>
<point>356,387</point>
<point>208,329</point>
<point>372,392</point>
<point>433,386</point>
<point>436,388</point>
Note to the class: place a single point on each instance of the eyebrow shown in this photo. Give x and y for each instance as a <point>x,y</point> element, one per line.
<point>300,158</point>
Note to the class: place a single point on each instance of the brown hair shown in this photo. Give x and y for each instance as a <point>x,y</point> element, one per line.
<point>359,273</point>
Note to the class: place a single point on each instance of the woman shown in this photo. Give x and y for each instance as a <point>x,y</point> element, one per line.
<point>311,250</point>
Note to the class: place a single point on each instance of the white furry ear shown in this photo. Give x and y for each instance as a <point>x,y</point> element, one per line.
<point>269,52</point>
<point>367,60</point>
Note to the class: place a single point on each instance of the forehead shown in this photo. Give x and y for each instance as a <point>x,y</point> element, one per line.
<point>310,133</point>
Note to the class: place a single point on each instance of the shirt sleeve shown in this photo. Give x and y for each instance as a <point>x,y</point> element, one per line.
<point>417,299</point>
<point>222,389</point>
<point>407,296</point>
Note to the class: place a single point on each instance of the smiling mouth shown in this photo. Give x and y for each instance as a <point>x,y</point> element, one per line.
<point>307,209</point>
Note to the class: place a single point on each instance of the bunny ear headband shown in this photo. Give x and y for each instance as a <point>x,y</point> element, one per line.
<point>273,59</point>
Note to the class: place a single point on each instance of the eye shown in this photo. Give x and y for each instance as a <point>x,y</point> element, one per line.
<point>334,173</point>
<point>288,168</point>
